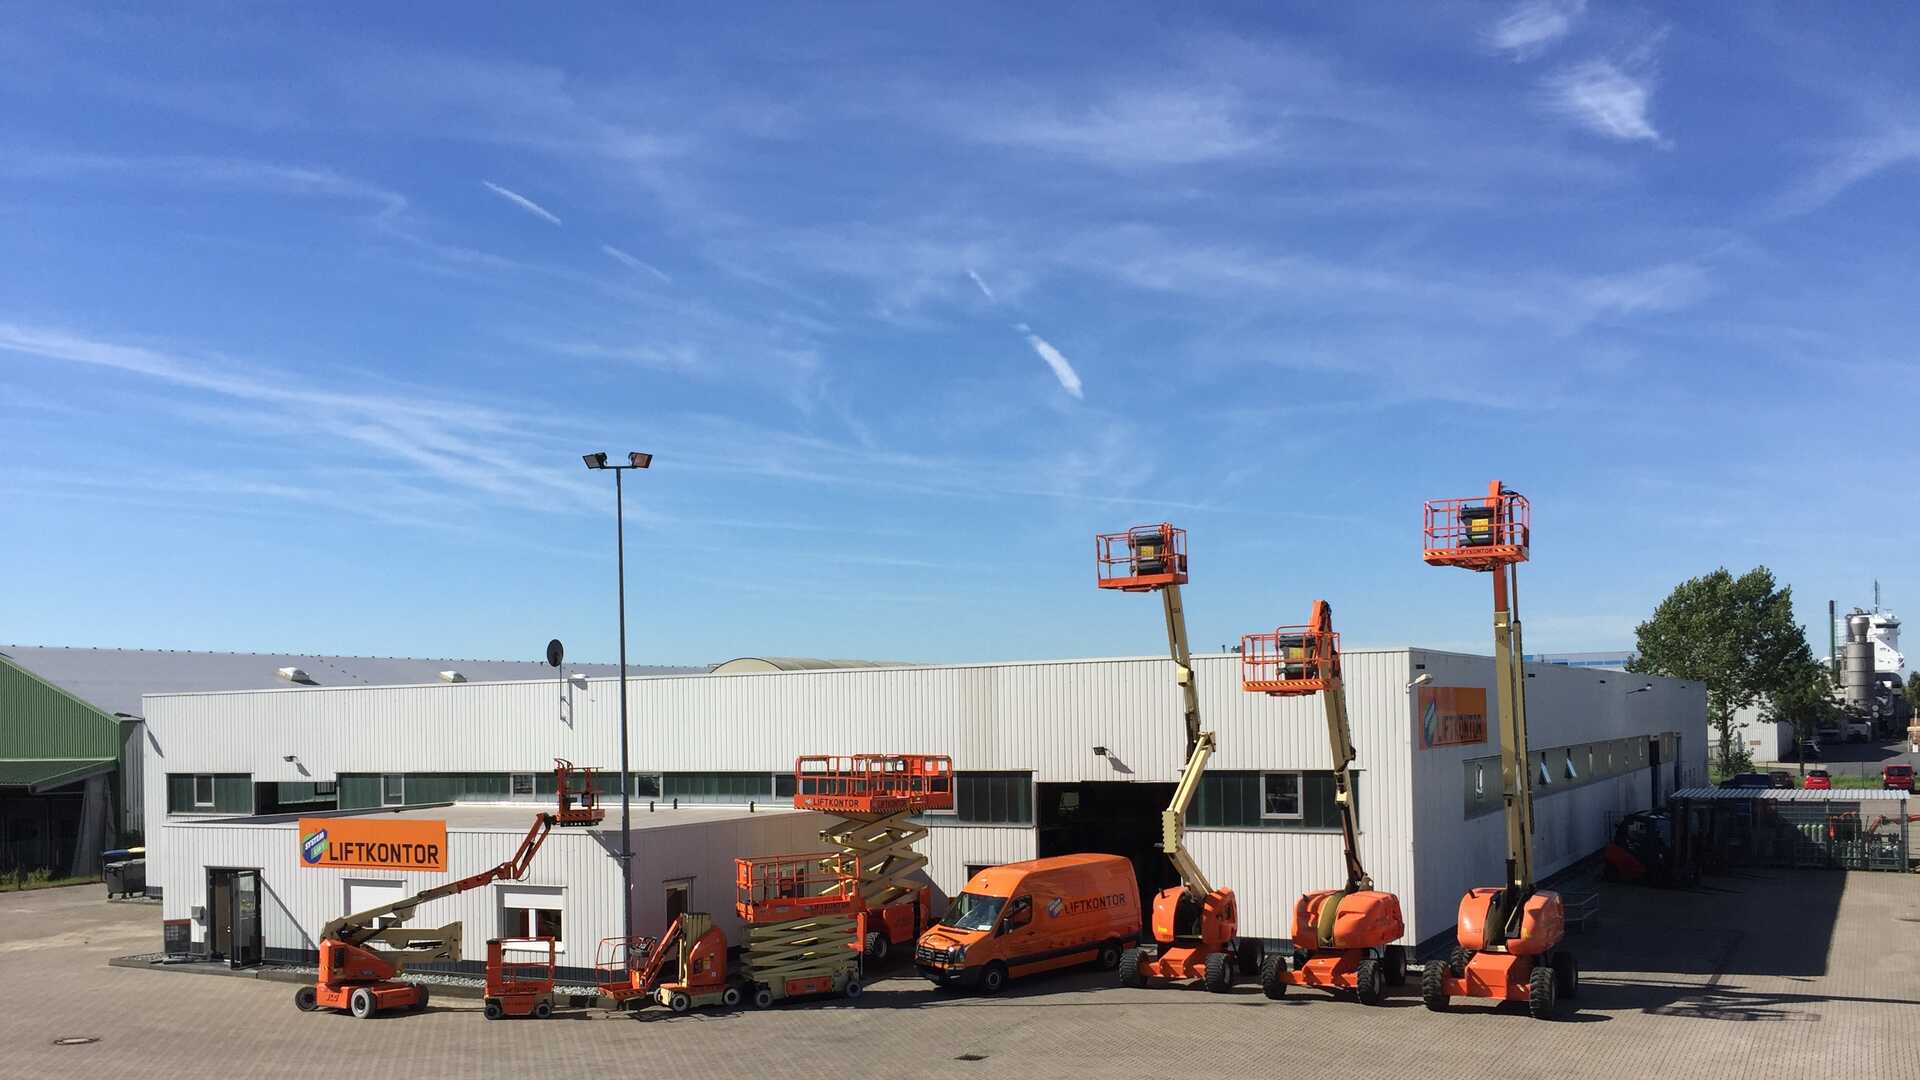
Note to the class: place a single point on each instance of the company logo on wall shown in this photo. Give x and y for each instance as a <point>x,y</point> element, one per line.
<point>373,845</point>
<point>1452,716</point>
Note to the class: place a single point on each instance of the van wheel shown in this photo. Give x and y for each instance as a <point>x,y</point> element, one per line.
<point>1130,968</point>
<point>1109,956</point>
<point>994,978</point>
<point>1273,976</point>
<point>1218,975</point>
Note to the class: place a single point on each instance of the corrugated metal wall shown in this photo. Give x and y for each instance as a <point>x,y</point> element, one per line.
<point>1042,717</point>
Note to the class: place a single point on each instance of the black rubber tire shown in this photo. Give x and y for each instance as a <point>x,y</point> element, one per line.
<point>853,988</point>
<point>730,997</point>
<point>1109,957</point>
<point>994,978</point>
<point>543,1010</point>
<point>306,999</point>
<point>1396,965</point>
<point>1130,968</point>
<point>492,1010</point>
<point>1300,958</point>
<point>762,997</point>
<point>679,1002</point>
<point>877,947</point>
<point>1369,982</point>
<point>1271,982</point>
<point>1566,976</point>
<point>361,1003</point>
<point>1433,987</point>
<point>1457,961</point>
<point>420,1002</point>
<point>1540,996</point>
<point>1217,975</point>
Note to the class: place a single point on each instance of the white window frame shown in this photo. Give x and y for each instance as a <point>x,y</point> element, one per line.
<point>546,897</point>
<point>213,795</point>
<point>513,786</point>
<point>1299,798</point>
<point>399,782</point>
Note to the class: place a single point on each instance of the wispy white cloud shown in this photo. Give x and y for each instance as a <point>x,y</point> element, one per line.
<point>522,202</point>
<point>1849,163</point>
<point>1129,129</point>
<point>984,291</point>
<point>1606,100</point>
<point>1668,287</point>
<point>635,262</point>
<point>1055,359</point>
<point>203,172</point>
<point>1532,27</point>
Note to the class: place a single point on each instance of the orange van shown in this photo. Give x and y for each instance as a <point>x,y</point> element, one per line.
<point>1028,917</point>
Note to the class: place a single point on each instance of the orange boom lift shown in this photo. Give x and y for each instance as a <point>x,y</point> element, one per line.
<point>1193,922</point>
<point>1509,937</point>
<point>1342,938</point>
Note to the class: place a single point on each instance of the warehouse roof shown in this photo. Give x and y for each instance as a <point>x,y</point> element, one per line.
<point>797,663</point>
<point>1794,794</point>
<point>518,817</point>
<point>48,773</point>
<point>113,680</point>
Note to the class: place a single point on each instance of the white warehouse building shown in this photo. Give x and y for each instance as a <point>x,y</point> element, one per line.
<point>1049,757</point>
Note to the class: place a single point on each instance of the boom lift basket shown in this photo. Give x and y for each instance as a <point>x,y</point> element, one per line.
<point>578,805</point>
<point>1290,661</point>
<point>1144,557</point>
<point>1485,533</point>
<point>782,888</point>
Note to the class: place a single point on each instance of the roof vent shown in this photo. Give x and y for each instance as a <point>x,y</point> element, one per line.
<point>295,675</point>
<point>452,676</point>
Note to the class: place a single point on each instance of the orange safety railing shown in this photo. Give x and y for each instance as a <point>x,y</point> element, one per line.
<point>782,888</point>
<point>873,783</point>
<point>1290,660</point>
<point>1142,558</point>
<point>578,805</point>
<point>1479,534</point>
<point>506,976</point>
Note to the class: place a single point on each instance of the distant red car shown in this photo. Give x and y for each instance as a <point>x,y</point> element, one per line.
<point>1897,776</point>
<point>1818,780</point>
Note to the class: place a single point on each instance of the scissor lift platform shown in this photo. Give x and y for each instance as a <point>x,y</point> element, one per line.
<point>875,797</point>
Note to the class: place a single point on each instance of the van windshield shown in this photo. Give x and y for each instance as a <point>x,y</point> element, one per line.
<point>972,911</point>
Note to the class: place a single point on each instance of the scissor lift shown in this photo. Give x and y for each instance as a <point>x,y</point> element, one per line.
<point>875,797</point>
<point>803,916</point>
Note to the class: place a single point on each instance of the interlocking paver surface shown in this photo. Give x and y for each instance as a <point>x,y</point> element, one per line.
<point>1761,975</point>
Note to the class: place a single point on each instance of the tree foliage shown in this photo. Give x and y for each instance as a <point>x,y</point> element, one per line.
<point>1805,701</point>
<point>1735,635</point>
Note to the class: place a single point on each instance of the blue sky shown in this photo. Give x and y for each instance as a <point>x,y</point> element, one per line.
<point>307,316</point>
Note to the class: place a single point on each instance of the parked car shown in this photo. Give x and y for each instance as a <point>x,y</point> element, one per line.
<point>1859,730</point>
<point>1897,776</point>
<point>1818,780</point>
<point>1781,778</point>
<point>1747,780</point>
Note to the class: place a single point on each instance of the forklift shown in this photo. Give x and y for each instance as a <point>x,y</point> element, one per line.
<point>1343,939</point>
<point>1508,936</point>
<point>1194,924</point>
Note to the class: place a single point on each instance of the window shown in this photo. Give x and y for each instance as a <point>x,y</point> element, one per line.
<point>1280,796</point>
<point>645,785</point>
<point>1546,774</point>
<point>1479,779</point>
<point>1572,774</point>
<point>393,790</point>
<point>521,785</point>
<point>203,791</point>
<point>718,787</point>
<point>1020,913</point>
<point>677,893</point>
<point>993,798</point>
<point>783,785</point>
<point>325,787</point>
<point>528,911</point>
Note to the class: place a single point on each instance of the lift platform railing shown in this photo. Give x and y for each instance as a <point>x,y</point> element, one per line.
<point>1291,660</point>
<point>1478,534</point>
<point>1144,557</point>
<point>578,805</point>
<point>782,888</point>
<point>510,976</point>
<point>873,783</point>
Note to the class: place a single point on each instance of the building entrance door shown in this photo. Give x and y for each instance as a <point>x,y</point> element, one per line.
<point>233,916</point>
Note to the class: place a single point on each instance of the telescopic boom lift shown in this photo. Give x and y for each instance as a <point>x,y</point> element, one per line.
<point>1193,922</point>
<point>1342,938</point>
<point>1509,937</point>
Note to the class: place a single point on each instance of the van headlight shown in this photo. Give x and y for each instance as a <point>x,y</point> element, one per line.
<point>956,954</point>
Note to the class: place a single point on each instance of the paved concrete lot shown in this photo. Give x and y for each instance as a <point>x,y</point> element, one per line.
<point>1774,975</point>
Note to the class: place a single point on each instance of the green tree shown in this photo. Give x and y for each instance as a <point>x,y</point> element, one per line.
<point>1805,702</point>
<point>1913,691</point>
<point>1736,635</point>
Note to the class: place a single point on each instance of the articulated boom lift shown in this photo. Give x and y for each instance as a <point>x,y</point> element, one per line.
<point>361,979</point>
<point>1193,922</point>
<point>1509,937</point>
<point>1342,938</point>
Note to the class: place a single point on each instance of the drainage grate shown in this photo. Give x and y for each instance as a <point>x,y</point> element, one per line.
<point>76,1040</point>
<point>971,1057</point>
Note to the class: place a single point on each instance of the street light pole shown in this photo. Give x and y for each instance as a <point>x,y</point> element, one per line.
<point>636,460</point>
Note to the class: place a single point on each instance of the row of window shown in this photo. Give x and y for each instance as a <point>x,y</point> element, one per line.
<point>1563,768</point>
<point>1274,800</point>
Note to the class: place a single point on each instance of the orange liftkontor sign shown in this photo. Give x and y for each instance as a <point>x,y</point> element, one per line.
<point>1452,716</point>
<point>373,844</point>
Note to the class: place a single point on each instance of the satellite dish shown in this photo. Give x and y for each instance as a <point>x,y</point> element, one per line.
<point>556,652</point>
